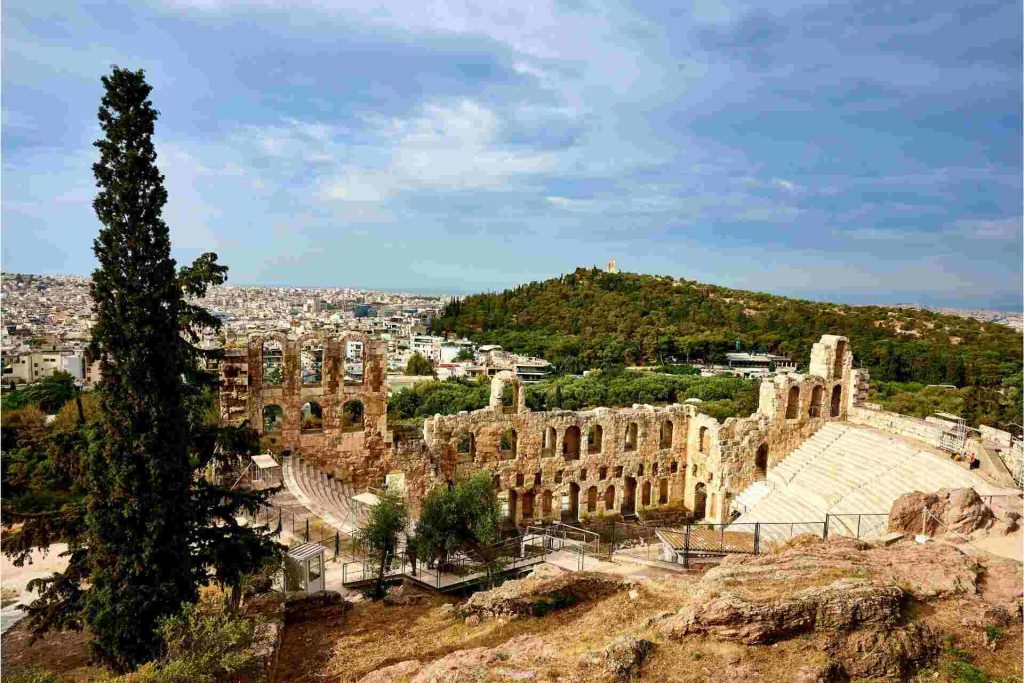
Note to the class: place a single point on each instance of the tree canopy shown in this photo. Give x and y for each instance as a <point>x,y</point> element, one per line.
<point>144,529</point>
<point>593,319</point>
<point>419,365</point>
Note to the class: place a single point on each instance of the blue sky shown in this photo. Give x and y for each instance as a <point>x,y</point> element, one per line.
<point>862,152</point>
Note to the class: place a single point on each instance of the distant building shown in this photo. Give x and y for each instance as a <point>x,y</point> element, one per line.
<point>427,346</point>
<point>612,268</point>
<point>32,367</point>
<point>496,359</point>
<point>450,350</point>
<point>757,363</point>
<point>364,311</point>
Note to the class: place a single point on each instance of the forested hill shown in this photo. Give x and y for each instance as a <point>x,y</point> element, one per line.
<point>591,318</point>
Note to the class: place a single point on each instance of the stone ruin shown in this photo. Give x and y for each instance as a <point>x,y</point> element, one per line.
<point>552,465</point>
<point>317,396</point>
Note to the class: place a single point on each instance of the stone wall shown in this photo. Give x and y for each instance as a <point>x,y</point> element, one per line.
<point>311,372</point>
<point>555,464</point>
<point>701,467</point>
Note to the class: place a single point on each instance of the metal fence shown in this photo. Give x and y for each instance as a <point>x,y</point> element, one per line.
<point>857,525</point>
<point>710,542</point>
<point>457,571</point>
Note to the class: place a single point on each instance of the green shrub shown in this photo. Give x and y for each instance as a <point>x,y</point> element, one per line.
<point>30,674</point>
<point>203,644</point>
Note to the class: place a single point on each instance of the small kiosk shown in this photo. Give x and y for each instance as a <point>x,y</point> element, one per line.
<point>265,471</point>
<point>304,568</point>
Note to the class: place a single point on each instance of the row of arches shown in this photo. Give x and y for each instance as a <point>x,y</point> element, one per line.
<point>311,362</point>
<point>311,417</point>
<point>814,406</point>
<point>572,441</point>
<point>576,500</point>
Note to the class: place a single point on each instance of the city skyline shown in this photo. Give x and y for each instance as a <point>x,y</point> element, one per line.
<point>849,154</point>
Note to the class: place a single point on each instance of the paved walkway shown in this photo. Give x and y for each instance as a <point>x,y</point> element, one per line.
<point>12,578</point>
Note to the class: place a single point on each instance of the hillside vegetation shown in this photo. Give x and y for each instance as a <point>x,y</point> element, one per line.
<point>591,318</point>
<point>721,397</point>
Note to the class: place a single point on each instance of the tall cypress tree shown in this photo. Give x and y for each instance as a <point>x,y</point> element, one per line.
<point>137,466</point>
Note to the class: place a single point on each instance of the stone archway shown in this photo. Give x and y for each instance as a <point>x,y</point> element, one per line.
<point>837,400</point>
<point>793,403</point>
<point>628,506</point>
<point>645,494</point>
<point>528,506</point>
<point>761,462</point>
<point>700,502</point>
<point>571,443</point>
<point>571,512</point>
<point>592,499</point>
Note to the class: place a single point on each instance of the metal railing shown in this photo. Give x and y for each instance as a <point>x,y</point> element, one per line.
<point>866,525</point>
<point>709,541</point>
<point>454,572</point>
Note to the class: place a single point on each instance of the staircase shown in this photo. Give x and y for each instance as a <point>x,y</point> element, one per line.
<point>847,469</point>
<point>329,499</point>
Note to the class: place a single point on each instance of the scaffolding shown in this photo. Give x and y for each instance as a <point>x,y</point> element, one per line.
<point>953,438</point>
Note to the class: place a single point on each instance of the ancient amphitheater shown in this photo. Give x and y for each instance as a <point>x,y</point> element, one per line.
<point>814,448</point>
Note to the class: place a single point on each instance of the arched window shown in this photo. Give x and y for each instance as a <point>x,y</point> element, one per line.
<point>840,359</point>
<point>665,440</point>
<point>814,410</point>
<point>354,361</point>
<point>312,417</point>
<point>761,462</point>
<point>273,362</point>
<point>273,418</point>
<point>510,397</point>
<point>645,494</point>
<point>507,444</point>
<point>311,361</point>
<point>793,403</point>
<point>571,443</point>
<point>352,417</point>
<point>594,436</point>
<point>703,444</point>
<point>837,400</point>
<point>548,446</point>
<point>609,498</point>
<point>545,503</point>
<point>662,491</point>
<point>630,444</point>
<point>592,499</point>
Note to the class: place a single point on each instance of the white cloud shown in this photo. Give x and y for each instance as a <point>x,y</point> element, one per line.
<point>998,229</point>
<point>446,146</point>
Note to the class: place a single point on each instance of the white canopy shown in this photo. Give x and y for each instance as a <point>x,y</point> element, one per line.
<point>264,461</point>
<point>367,498</point>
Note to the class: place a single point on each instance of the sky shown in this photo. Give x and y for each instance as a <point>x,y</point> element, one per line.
<point>865,152</point>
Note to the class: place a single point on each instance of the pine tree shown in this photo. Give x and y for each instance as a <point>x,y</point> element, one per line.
<point>137,466</point>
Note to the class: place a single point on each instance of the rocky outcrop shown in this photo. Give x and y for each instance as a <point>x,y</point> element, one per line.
<point>843,605</point>
<point>850,595</point>
<point>959,511</point>
<point>620,660</point>
<point>545,590</point>
<point>301,606</point>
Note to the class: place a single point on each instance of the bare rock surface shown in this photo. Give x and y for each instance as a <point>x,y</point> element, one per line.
<point>852,594</point>
<point>948,510</point>
<point>620,661</point>
<point>546,589</point>
<point>842,605</point>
